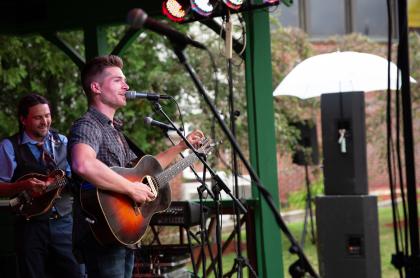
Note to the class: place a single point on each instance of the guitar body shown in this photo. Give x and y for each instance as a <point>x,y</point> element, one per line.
<point>29,206</point>
<point>116,219</point>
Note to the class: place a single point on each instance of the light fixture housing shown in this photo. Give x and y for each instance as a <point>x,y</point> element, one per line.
<point>271,2</point>
<point>234,4</point>
<point>176,10</point>
<point>203,7</point>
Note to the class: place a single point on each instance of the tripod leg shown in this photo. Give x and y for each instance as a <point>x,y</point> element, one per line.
<point>232,270</point>
<point>305,224</point>
<point>311,221</point>
<point>309,205</point>
<point>194,265</point>
<point>239,264</point>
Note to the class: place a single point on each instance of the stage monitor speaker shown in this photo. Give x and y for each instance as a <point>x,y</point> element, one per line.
<point>348,237</point>
<point>306,152</point>
<point>344,143</point>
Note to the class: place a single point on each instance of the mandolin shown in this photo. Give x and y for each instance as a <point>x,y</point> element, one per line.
<point>29,205</point>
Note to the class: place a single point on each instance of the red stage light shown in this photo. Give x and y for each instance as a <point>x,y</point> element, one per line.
<point>175,10</point>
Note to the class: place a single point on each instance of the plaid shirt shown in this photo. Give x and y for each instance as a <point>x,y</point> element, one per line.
<point>104,136</point>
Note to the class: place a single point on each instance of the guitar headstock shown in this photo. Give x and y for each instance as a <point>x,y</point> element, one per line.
<point>207,145</point>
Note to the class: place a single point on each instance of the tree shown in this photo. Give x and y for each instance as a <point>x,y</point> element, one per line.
<point>32,64</point>
<point>290,46</point>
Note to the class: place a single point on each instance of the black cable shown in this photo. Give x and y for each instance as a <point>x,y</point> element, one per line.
<point>396,258</point>
<point>400,167</point>
<point>243,38</point>
<point>239,260</point>
<point>213,121</point>
<point>216,94</point>
<point>412,262</point>
<point>179,113</point>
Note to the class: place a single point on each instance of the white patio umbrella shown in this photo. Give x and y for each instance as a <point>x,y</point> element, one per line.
<point>338,72</point>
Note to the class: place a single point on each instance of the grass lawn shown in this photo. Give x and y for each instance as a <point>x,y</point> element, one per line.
<point>387,247</point>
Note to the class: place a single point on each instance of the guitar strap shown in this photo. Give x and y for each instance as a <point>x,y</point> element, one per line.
<point>137,151</point>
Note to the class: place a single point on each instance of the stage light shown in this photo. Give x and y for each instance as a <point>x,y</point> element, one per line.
<point>203,7</point>
<point>175,10</point>
<point>233,4</point>
<point>271,1</point>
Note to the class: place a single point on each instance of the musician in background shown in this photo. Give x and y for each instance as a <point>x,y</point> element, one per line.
<point>95,144</point>
<point>43,243</point>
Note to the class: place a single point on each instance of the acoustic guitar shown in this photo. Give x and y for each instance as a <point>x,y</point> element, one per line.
<point>115,218</point>
<point>29,205</point>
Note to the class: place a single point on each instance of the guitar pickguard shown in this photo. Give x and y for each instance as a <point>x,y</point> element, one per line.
<point>152,183</point>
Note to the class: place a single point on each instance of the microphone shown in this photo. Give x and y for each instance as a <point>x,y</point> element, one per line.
<point>149,121</point>
<point>148,96</point>
<point>137,18</point>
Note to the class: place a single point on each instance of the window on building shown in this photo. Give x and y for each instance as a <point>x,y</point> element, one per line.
<point>325,18</point>
<point>370,18</point>
<point>289,16</point>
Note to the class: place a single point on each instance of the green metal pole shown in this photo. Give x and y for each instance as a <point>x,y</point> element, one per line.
<point>262,140</point>
<point>95,41</point>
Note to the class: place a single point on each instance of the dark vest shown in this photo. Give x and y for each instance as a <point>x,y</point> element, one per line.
<point>27,163</point>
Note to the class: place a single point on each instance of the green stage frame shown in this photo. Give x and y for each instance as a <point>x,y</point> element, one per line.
<point>48,17</point>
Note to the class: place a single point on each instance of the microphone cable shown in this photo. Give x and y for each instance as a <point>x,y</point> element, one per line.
<point>395,168</point>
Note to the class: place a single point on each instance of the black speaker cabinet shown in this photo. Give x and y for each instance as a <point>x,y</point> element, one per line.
<point>348,237</point>
<point>344,143</point>
<point>306,152</point>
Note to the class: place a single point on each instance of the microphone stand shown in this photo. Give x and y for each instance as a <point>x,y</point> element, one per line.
<point>218,185</point>
<point>308,210</point>
<point>202,181</point>
<point>201,189</point>
<point>203,229</point>
<point>240,262</point>
<point>302,265</point>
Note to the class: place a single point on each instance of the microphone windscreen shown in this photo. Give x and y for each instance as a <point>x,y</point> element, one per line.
<point>136,18</point>
<point>130,95</point>
<point>148,120</point>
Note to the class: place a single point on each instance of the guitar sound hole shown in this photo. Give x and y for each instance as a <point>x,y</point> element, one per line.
<point>145,181</point>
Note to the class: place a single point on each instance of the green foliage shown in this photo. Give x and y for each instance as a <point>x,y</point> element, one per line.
<point>414,45</point>
<point>290,46</point>
<point>31,64</point>
<point>297,199</point>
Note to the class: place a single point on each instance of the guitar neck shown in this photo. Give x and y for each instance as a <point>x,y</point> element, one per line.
<point>169,173</point>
